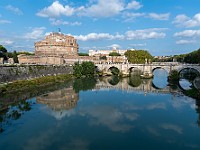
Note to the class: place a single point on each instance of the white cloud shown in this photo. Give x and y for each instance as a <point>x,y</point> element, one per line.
<point>114,46</point>
<point>97,8</point>
<point>153,33</point>
<point>94,36</point>
<point>185,21</point>
<point>131,16</point>
<point>35,34</point>
<point>56,10</point>
<point>156,16</point>
<point>104,8</point>
<point>134,5</point>
<point>58,22</point>
<point>4,21</point>
<point>138,44</point>
<point>14,9</point>
<point>188,33</point>
<point>6,42</point>
<point>185,42</point>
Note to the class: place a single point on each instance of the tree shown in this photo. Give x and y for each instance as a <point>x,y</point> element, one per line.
<point>3,49</point>
<point>3,53</point>
<point>83,54</point>
<point>77,70</point>
<point>114,54</point>
<point>138,56</point>
<point>103,57</point>
<point>88,68</point>
<point>85,69</point>
<point>15,58</point>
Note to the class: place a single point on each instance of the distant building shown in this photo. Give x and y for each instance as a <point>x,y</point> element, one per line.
<point>105,52</point>
<point>109,59</point>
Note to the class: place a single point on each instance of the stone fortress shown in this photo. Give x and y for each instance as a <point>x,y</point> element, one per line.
<point>59,49</point>
<point>58,45</point>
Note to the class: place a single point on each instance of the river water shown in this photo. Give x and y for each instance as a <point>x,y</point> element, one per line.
<point>110,113</point>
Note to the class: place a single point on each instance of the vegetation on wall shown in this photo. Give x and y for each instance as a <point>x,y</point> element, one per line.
<point>36,83</point>
<point>86,68</point>
<point>138,56</point>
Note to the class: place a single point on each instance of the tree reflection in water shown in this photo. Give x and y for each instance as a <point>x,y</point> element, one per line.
<point>134,81</point>
<point>114,80</point>
<point>13,112</point>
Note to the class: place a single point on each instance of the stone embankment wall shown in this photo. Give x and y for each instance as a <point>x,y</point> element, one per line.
<point>23,72</point>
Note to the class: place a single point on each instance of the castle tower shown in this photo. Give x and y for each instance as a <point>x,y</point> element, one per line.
<point>57,44</point>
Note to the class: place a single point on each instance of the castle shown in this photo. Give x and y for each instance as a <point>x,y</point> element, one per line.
<point>58,48</point>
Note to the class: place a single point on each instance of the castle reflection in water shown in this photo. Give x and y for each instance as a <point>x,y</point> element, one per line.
<point>64,99</point>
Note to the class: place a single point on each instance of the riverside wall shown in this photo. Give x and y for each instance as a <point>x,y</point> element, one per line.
<point>11,73</point>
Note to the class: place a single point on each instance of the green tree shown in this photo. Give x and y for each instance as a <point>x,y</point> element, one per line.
<point>77,70</point>
<point>88,68</point>
<point>114,54</point>
<point>138,56</point>
<point>103,57</point>
<point>3,49</point>
<point>193,57</point>
<point>83,54</point>
<point>114,71</point>
<point>173,77</point>
<point>85,69</point>
<point>3,52</point>
<point>15,58</point>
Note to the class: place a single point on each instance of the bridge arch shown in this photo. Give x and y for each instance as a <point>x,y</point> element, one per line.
<point>114,70</point>
<point>160,67</point>
<point>190,69</point>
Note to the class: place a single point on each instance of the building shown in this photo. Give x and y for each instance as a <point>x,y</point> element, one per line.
<point>105,52</point>
<point>56,48</point>
<point>104,57</point>
<point>57,44</point>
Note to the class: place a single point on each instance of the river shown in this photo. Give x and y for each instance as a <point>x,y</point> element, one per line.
<point>106,113</point>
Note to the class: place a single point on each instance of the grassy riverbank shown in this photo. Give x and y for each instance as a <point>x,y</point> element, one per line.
<point>36,83</point>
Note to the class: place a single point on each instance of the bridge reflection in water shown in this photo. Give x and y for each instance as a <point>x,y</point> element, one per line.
<point>67,98</point>
<point>132,84</point>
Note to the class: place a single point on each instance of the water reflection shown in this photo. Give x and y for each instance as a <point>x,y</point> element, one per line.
<point>59,100</point>
<point>185,84</point>
<point>135,81</point>
<point>131,114</point>
<point>160,78</point>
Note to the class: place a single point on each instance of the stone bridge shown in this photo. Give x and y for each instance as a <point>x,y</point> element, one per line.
<point>147,68</point>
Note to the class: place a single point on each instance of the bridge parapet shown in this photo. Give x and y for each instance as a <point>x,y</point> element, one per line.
<point>148,68</point>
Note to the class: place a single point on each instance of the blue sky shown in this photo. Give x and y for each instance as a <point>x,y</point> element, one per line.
<point>163,27</point>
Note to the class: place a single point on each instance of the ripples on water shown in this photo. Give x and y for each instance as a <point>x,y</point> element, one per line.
<point>111,115</point>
